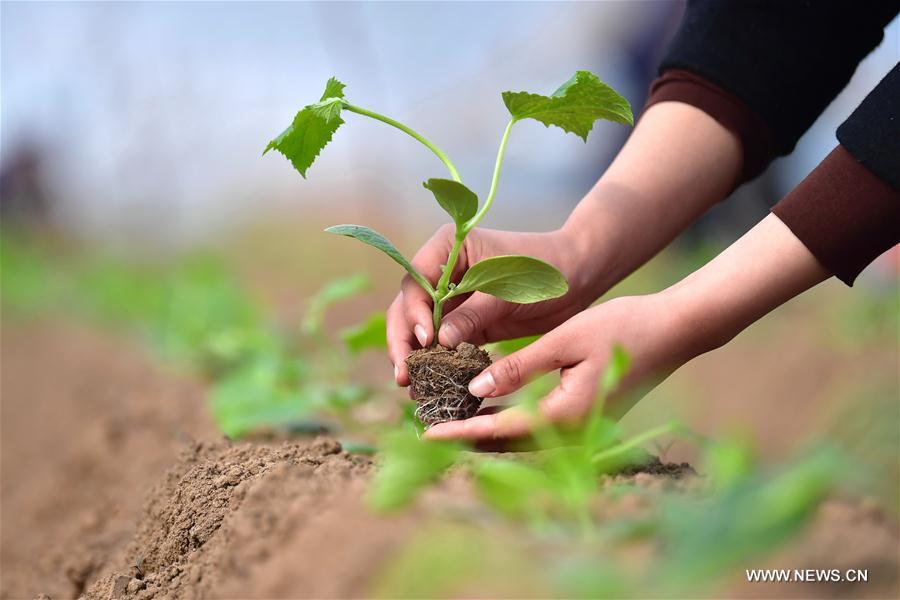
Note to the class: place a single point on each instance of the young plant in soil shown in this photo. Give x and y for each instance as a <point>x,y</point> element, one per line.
<point>439,377</point>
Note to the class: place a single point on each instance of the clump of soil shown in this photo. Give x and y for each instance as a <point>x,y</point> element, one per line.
<point>439,379</point>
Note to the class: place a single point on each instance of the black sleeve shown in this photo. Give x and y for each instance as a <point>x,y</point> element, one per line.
<point>785,59</point>
<point>872,132</point>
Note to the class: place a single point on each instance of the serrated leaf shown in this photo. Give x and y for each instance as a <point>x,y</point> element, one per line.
<point>370,334</point>
<point>311,130</point>
<point>376,240</point>
<point>328,109</point>
<point>333,89</point>
<point>520,279</point>
<point>460,202</point>
<point>574,106</point>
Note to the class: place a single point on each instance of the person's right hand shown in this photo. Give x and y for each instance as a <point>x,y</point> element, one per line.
<point>480,318</point>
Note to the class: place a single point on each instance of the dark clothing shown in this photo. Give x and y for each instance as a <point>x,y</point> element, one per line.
<point>844,214</point>
<point>872,132</point>
<point>765,70</point>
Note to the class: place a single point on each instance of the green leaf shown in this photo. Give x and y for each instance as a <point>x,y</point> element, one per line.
<point>616,368</point>
<point>376,240</point>
<point>409,466</point>
<point>333,89</point>
<point>507,347</point>
<point>369,334</point>
<point>357,447</point>
<point>311,129</point>
<point>460,202</point>
<point>520,279</point>
<point>728,462</point>
<point>263,392</point>
<point>328,109</point>
<point>574,106</point>
<point>332,292</point>
<point>511,487</point>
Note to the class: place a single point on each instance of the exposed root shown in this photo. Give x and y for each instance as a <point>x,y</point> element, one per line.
<point>439,379</point>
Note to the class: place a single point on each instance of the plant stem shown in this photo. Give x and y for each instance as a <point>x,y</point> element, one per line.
<point>641,438</point>
<point>437,151</point>
<point>443,285</point>
<point>494,180</point>
<point>436,318</point>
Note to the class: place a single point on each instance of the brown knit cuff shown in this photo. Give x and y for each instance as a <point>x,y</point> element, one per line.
<point>757,138</point>
<point>844,214</point>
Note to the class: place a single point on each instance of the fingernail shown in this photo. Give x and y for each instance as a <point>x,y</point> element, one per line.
<point>483,385</point>
<point>396,372</point>
<point>421,334</point>
<point>450,334</point>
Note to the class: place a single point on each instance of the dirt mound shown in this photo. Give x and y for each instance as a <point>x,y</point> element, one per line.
<point>275,521</point>
<point>89,423</point>
<point>248,521</point>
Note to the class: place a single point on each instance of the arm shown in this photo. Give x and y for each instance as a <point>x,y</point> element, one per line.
<point>784,60</point>
<point>756,274</point>
<point>677,163</point>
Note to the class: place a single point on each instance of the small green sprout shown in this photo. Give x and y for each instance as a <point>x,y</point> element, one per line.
<point>574,108</point>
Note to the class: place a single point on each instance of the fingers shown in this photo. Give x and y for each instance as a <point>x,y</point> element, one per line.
<point>409,321</point>
<point>570,400</point>
<point>416,308</point>
<point>468,321</point>
<point>510,423</point>
<point>399,339</point>
<point>554,351</point>
<point>417,304</point>
<point>575,394</point>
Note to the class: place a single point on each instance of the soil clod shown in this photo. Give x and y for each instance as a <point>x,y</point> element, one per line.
<point>439,379</point>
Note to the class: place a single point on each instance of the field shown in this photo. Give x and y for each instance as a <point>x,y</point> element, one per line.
<point>121,379</point>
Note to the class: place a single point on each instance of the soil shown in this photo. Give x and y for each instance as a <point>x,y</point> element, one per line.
<point>88,424</point>
<point>116,485</point>
<point>226,508</point>
<point>439,382</point>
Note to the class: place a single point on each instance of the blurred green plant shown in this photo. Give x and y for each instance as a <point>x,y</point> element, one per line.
<point>194,313</point>
<point>699,534</point>
<point>701,531</point>
<point>407,466</point>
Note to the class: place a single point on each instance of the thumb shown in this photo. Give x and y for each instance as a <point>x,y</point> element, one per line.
<point>510,373</point>
<point>468,321</point>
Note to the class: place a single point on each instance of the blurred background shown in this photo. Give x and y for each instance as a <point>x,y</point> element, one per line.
<point>144,122</point>
<point>137,128</point>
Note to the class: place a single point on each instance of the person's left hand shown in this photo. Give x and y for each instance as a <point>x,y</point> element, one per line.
<point>644,326</point>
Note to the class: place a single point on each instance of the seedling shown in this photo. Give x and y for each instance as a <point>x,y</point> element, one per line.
<point>437,377</point>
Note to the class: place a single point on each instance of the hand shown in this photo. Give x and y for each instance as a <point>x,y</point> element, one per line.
<point>765,268</point>
<point>579,348</point>
<point>480,318</point>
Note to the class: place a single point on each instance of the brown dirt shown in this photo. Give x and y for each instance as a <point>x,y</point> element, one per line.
<point>226,511</point>
<point>88,424</point>
<point>82,448</point>
<point>439,379</point>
